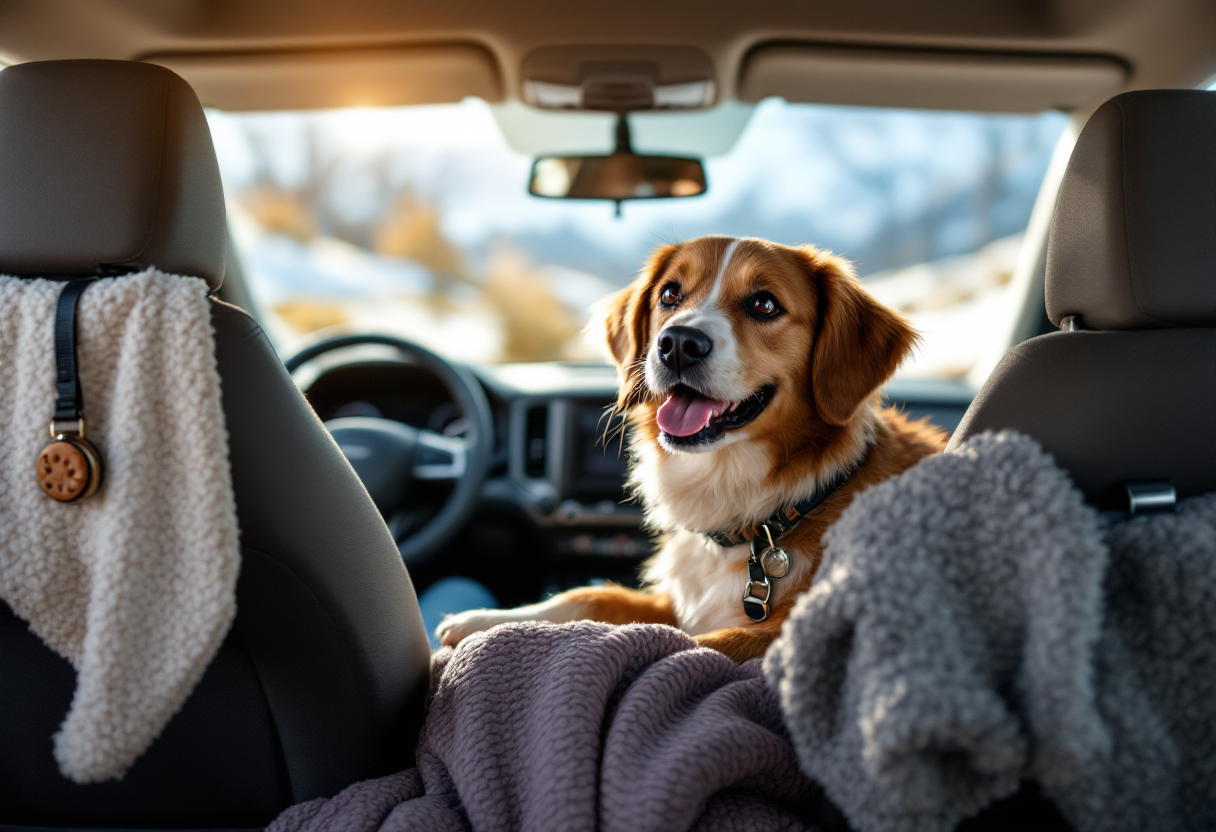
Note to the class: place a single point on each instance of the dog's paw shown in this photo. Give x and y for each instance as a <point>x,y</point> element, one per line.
<point>455,628</point>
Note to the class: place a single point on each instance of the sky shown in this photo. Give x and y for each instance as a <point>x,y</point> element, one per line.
<point>843,178</point>
<point>888,189</point>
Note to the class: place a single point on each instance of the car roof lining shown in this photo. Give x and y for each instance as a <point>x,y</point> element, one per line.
<point>1163,43</point>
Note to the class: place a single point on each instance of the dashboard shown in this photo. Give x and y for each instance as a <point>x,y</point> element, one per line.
<point>554,511</point>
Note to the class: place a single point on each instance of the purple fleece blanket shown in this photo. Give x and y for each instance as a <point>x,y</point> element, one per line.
<point>581,727</point>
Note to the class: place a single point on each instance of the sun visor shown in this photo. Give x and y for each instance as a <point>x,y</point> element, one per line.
<point>307,80</point>
<point>915,79</point>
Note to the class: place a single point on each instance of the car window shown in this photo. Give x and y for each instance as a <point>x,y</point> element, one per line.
<point>416,221</point>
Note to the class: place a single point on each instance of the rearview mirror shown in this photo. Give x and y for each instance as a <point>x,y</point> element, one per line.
<point>619,176</point>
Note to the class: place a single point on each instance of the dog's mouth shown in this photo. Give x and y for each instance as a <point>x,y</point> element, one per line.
<point>689,417</point>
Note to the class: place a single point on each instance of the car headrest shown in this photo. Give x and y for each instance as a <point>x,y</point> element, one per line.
<point>1133,242</point>
<point>106,166</point>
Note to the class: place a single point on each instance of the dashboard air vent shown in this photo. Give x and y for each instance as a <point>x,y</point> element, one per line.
<point>536,441</point>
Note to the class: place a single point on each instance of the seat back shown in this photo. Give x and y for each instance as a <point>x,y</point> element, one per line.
<point>106,166</point>
<point>1128,391</point>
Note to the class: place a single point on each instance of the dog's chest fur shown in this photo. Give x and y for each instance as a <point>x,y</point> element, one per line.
<point>694,493</point>
<point>705,581</point>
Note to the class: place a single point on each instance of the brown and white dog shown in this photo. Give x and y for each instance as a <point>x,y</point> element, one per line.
<point>750,373</point>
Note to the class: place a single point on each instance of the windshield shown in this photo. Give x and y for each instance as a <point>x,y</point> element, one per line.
<point>416,222</point>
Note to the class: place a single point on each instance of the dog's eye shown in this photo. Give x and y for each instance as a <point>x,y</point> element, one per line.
<point>671,295</point>
<point>764,305</point>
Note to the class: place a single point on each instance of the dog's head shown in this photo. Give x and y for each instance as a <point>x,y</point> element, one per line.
<point>721,339</point>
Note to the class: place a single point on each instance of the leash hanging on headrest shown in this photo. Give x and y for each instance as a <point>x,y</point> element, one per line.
<point>69,468</point>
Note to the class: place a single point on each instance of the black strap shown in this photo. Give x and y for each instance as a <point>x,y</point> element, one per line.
<point>69,401</point>
<point>782,520</point>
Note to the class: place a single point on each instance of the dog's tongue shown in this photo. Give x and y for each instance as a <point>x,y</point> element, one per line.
<point>686,411</point>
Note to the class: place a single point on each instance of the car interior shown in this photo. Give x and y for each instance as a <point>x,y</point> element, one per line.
<point>369,466</point>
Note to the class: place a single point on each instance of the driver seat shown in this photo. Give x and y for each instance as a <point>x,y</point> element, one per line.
<point>107,166</point>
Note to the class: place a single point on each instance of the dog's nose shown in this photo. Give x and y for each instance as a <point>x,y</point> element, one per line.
<point>682,346</point>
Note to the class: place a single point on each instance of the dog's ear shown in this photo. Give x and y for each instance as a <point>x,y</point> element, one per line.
<point>626,322</point>
<point>858,342</point>
<point>614,312</point>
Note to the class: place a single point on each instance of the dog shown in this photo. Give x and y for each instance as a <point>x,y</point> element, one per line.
<point>750,374</point>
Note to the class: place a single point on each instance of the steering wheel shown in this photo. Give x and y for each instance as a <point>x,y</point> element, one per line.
<point>390,457</point>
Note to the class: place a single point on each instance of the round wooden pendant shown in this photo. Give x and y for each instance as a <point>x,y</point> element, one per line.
<point>64,472</point>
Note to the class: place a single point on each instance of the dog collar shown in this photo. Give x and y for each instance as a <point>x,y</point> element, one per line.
<point>766,559</point>
<point>784,519</point>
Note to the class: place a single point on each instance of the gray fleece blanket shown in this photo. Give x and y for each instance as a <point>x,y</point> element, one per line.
<point>582,727</point>
<point>974,623</point>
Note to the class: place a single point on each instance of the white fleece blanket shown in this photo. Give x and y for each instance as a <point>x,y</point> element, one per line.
<point>136,585</point>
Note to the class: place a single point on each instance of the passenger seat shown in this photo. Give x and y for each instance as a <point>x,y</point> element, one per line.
<point>1126,393</point>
